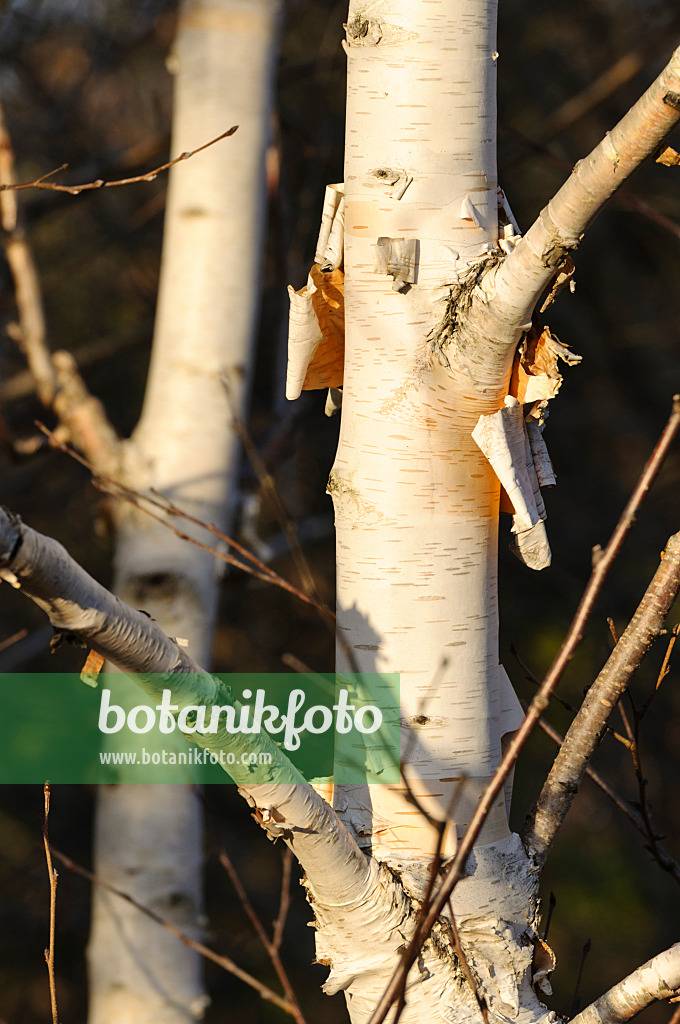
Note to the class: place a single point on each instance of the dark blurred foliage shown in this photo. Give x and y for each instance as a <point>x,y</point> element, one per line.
<point>84,82</point>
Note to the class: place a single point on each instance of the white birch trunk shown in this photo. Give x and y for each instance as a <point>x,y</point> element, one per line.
<point>148,838</point>
<point>416,501</point>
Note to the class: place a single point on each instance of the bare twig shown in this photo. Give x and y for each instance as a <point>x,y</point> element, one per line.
<point>660,854</point>
<point>270,946</point>
<point>659,978</point>
<point>115,489</point>
<point>52,875</point>
<point>13,639</point>
<point>284,899</point>
<point>74,190</point>
<point>663,671</point>
<point>576,1001</point>
<point>536,708</point>
<point>555,697</point>
<point>56,377</point>
<point>675,1019</point>
<point>587,729</point>
<point>271,494</point>
<point>552,903</point>
<point>222,961</point>
<point>465,966</point>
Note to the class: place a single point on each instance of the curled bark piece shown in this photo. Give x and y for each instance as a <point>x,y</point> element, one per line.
<point>330,246</point>
<point>503,438</point>
<point>397,258</point>
<point>304,337</point>
<point>469,212</point>
<point>535,374</point>
<point>316,333</point>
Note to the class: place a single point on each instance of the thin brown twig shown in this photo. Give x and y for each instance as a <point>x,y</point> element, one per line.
<point>217,958</point>
<point>576,1001</point>
<point>660,854</point>
<point>31,332</point>
<point>469,976</point>
<point>13,639</point>
<point>587,728</point>
<point>663,671</point>
<point>74,190</point>
<point>440,826</point>
<point>555,697</point>
<point>284,900</point>
<point>113,488</point>
<point>270,946</point>
<point>643,802</point>
<point>52,875</point>
<point>675,1019</point>
<point>601,567</point>
<point>272,495</point>
<point>622,710</point>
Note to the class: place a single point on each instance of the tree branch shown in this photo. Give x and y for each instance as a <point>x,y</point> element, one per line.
<point>659,978</point>
<point>286,806</point>
<point>656,849</point>
<point>588,728</point>
<point>74,190</point>
<point>531,265</point>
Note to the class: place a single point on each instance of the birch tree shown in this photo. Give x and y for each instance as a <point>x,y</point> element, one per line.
<point>447,373</point>
<point>223,60</point>
<point>148,839</point>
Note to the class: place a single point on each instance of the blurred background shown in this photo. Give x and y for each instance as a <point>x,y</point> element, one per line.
<point>84,82</point>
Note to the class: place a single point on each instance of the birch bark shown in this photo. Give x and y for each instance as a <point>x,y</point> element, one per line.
<point>148,838</point>
<point>416,501</point>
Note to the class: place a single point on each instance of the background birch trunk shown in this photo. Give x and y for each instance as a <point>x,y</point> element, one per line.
<point>149,838</point>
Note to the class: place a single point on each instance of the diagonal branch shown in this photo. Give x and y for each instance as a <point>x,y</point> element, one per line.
<point>531,265</point>
<point>286,806</point>
<point>590,723</point>
<point>659,978</point>
<point>657,850</point>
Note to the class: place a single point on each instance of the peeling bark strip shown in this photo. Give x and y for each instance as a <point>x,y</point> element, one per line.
<point>659,978</point>
<point>589,725</point>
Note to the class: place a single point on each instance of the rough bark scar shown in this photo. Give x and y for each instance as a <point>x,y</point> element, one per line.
<point>672,99</point>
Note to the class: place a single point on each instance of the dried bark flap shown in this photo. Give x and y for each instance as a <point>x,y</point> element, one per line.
<point>504,439</point>
<point>316,326</point>
<point>397,258</point>
<point>536,379</point>
<point>316,333</point>
<point>535,372</point>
